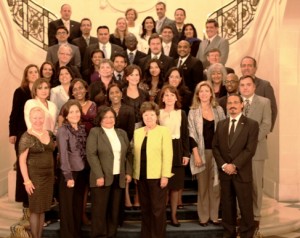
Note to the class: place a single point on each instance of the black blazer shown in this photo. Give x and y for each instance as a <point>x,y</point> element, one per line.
<point>240,151</point>
<point>17,125</point>
<point>74,70</point>
<point>138,55</point>
<point>81,43</point>
<point>126,120</point>
<point>192,70</point>
<point>166,61</point>
<point>117,41</point>
<point>74,31</point>
<point>87,62</point>
<point>173,51</point>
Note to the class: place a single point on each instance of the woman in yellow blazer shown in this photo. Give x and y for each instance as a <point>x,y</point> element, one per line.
<point>152,167</point>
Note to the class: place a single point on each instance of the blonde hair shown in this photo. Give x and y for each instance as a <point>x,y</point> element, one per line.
<point>36,109</point>
<point>196,100</point>
<point>116,33</point>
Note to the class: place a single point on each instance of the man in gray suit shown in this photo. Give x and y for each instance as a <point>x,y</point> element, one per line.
<point>259,109</point>
<point>213,41</point>
<point>263,87</point>
<point>62,35</point>
<point>162,19</point>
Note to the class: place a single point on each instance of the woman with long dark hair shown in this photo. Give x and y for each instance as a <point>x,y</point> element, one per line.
<point>148,28</point>
<point>154,79</point>
<point>190,35</point>
<point>17,126</point>
<point>71,140</point>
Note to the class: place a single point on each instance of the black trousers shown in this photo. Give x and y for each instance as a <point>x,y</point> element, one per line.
<point>232,190</point>
<point>106,202</point>
<point>70,205</point>
<point>153,208</point>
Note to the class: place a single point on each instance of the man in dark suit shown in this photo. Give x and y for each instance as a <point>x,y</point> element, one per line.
<point>155,46</point>
<point>213,41</point>
<point>162,19</point>
<point>263,87</point>
<point>62,36</point>
<point>72,26</point>
<point>234,145</point>
<point>259,109</point>
<point>232,86</point>
<point>120,63</point>
<point>169,47</point>
<point>103,44</point>
<point>133,55</point>
<point>86,39</point>
<point>179,17</point>
<point>190,66</point>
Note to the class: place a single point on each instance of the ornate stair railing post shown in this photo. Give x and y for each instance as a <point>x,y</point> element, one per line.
<point>32,20</point>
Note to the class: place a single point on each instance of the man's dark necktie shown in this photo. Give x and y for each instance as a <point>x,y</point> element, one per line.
<point>119,77</point>
<point>231,133</point>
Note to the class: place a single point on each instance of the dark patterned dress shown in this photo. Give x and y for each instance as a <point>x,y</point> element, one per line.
<point>40,171</point>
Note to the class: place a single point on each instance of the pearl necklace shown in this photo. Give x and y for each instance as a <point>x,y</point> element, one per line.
<point>39,134</point>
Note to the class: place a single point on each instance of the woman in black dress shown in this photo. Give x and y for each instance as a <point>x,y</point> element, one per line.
<point>134,97</point>
<point>175,119</point>
<point>36,163</point>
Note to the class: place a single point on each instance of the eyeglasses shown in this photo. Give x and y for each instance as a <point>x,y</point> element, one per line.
<point>230,82</point>
<point>64,54</point>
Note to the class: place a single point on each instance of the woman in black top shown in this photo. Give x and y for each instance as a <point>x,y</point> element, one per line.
<point>17,124</point>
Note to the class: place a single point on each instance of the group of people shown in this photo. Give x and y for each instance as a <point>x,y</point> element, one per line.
<point>142,104</point>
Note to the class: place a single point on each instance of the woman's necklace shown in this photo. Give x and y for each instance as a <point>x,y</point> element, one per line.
<point>83,104</point>
<point>39,134</point>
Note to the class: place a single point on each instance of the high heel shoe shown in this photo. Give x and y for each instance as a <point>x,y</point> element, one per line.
<point>175,224</point>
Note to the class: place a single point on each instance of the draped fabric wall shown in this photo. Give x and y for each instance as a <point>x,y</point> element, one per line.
<point>273,40</point>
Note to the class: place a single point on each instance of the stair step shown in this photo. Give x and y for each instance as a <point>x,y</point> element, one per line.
<point>132,230</point>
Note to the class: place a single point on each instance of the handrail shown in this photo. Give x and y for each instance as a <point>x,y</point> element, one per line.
<point>32,20</point>
<point>235,18</point>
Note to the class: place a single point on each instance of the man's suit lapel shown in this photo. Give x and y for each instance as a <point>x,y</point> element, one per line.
<point>226,131</point>
<point>238,129</point>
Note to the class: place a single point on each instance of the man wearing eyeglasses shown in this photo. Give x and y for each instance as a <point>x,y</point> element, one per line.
<point>61,35</point>
<point>232,85</point>
<point>73,27</point>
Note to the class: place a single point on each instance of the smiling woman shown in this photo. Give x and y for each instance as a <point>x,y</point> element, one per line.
<point>71,139</point>
<point>40,94</point>
<point>111,168</point>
